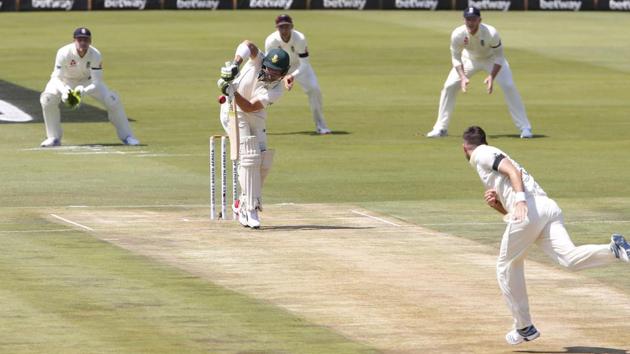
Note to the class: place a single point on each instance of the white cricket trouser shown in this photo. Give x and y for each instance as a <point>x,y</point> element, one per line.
<point>51,97</point>
<point>452,86</point>
<point>545,228</point>
<point>248,125</point>
<point>308,81</point>
<point>250,163</point>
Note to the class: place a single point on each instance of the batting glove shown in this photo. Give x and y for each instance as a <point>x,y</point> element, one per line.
<point>226,87</point>
<point>229,71</point>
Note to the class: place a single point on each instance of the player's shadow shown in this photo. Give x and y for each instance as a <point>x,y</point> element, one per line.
<point>311,132</point>
<point>27,100</point>
<point>312,227</point>
<point>516,136</point>
<point>579,350</point>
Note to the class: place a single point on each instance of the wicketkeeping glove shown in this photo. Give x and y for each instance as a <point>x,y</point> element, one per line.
<point>226,87</point>
<point>72,98</point>
<point>229,71</point>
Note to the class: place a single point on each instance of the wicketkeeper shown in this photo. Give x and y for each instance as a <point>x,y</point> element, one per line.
<point>78,71</point>
<point>254,88</point>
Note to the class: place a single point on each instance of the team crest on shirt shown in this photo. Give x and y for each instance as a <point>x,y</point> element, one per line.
<point>482,43</point>
<point>73,62</point>
<point>465,40</point>
<point>87,65</point>
<point>293,49</point>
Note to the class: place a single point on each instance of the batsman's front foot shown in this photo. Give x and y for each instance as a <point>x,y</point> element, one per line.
<point>526,134</point>
<point>242,218</point>
<point>131,140</point>
<point>620,247</point>
<point>323,131</point>
<point>50,142</point>
<point>252,219</point>
<point>518,336</point>
<point>437,133</point>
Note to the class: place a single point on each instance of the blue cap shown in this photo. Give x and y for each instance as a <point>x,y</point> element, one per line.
<point>472,11</point>
<point>82,32</point>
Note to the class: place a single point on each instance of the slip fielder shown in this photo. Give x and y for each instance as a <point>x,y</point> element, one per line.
<point>532,217</point>
<point>78,70</point>
<point>254,88</point>
<point>474,47</point>
<point>294,43</point>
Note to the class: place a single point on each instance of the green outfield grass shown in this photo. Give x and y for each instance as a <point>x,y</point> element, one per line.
<point>380,73</point>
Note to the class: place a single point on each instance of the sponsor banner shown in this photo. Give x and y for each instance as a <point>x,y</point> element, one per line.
<point>126,4</point>
<point>491,5</point>
<point>345,4</point>
<point>46,5</point>
<point>561,5</point>
<point>613,5</point>
<point>198,4</point>
<point>272,4</point>
<point>416,5</point>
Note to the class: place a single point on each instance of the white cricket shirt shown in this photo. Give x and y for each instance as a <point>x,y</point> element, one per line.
<point>256,90</point>
<point>295,47</point>
<point>483,45</point>
<point>485,159</point>
<point>69,66</point>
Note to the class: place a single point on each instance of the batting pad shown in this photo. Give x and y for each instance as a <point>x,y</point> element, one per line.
<point>249,173</point>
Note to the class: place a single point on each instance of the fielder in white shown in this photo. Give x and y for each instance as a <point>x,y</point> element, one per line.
<point>294,43</point>
<point>255,87</point>
<point>78,67</point>
<point>476,46</point>
<point>531,217</point>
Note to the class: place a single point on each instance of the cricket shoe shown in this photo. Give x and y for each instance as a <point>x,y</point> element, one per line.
<point>131,140</point>
<point>518,336</point>
<point>437,133</point>
<point>50,142</point>
<point>252,219</point>
<point>323,131</point>
<point>526,134</point>
<point>242,217</point>
<point>620,247</point>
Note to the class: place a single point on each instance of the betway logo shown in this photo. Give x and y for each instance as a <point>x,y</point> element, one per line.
<point>198,4</point>
<point>560,5</point>
<point>345,4</point>
<point>619,5</point>
<point>125,4</point>
<point>417,4</point>
<point>491,4</point>
<point>270,4</point>
<point>53,4</point>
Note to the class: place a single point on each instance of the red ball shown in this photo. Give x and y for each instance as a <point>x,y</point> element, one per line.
<point>221,99</point>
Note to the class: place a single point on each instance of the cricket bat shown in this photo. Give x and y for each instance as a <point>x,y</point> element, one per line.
<point>233,130</point>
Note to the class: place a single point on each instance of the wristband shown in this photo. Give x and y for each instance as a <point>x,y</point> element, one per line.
<point>520,197</point>
<point>243,51</point>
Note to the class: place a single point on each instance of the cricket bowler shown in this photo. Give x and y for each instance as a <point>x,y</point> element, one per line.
<point>78,71</point>
<point>532,217</point>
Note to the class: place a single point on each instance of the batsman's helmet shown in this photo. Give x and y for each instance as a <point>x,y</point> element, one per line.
<point>277,59</point>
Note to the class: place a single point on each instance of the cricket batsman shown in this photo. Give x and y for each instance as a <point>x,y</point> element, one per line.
<point>294,43</point>
<point>532,217</point>
<point>254,87</point>
<point>79,71</point>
